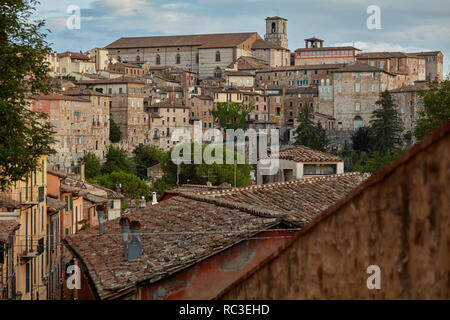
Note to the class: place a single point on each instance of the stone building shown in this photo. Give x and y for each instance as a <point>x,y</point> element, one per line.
<point>434,64</point>
<point>200,110</point>
<point>408,67</point>
<point>408,104</point>
<point>127,108</point>
<point>63,64</point>
<point>356,89</point>
<point>315,53</point>
<point>165,119</point>
<point>76,134</point>
<point>206,54</point>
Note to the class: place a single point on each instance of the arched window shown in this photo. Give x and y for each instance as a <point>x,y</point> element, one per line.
<point>274,27</point>
<point>138,58</point>
<point>357,122</point>
<point>178,59</point>
<point>158,59</point>
<point>218,73</point>
<point>217,56</point>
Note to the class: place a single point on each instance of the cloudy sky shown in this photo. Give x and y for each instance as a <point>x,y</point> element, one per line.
<point>406,25</point>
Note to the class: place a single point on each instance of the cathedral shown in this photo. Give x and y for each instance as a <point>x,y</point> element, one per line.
<point>206,54</point>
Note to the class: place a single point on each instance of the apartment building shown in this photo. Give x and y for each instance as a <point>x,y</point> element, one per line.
<point>315,53</point>
<point>357,88</point>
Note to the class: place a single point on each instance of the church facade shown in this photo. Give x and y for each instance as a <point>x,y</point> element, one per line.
<point>206,54</point>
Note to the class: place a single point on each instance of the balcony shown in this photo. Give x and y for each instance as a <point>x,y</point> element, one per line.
<point>15,197</point>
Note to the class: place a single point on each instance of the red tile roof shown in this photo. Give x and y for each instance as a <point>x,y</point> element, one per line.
<point>174,233</point>
<point>301,200</point>
<point>6,228</point>
<point>305,154</point>
<point>75,55</point>
<point>223,40</point>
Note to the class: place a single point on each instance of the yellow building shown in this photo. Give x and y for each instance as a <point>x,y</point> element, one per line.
<point>26,271</point>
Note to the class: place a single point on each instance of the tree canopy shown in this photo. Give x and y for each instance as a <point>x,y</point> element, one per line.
<point>116,160</point>
<point>92,165</point>
<point>436,112</point>
<point>310,134</point>
<point>386,125</point>
<point>231,115</point>
<point>146,156</point>
<point>24,135</point>
<point>115,135</point>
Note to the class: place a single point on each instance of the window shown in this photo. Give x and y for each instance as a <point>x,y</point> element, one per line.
<point>339,89</point>
<point>382,64</point>
<point>373,88</point>
<point>402,110</point>
<point>373,107</point>
<point>358,106</point>
<point>218,73</point>
<point>218,56</point>
<point>357,75</point>
<point>357,87</point>
<point>339,75</point>
<point>340,126</point>
<point>339,108</point>
<point>178,59</point>
<point>357,123</point>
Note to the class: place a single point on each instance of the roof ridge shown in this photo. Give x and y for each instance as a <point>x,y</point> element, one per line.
<point>251,209</point>
<point>270,185</point>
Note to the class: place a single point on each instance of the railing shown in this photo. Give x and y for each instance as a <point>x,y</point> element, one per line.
<point>23,195</point>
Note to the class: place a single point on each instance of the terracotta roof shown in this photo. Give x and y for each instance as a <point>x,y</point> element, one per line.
<point>249,63</point>
<point>385,55</point>
<point>57,96</point>
<point>305,154</point>
<point>6,228</point>
<point>264,44</point>
<point>120,80</point>
<point>75,55</point>
<point>427,53</point>
<point>223,40</point>
<point>326,49</point>
<point>304,67</point>
<point>203,97</point>
<point>7,202</point>
<point>189,188</point>
<point>54,205</point>
<point>85,92</point>
<point>168,105</point>
<point>411,88</point>
<point>310,89</point>
<point>360,67</point>
<point>175,234</point>
<point>301,200</point>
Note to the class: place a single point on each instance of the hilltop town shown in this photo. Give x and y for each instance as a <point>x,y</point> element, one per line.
<point>108,202</point>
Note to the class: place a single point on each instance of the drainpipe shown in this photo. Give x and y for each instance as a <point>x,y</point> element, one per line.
<point>101,211</point>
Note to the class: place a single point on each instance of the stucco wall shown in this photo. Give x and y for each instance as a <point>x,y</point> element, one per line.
<point>398,219</point>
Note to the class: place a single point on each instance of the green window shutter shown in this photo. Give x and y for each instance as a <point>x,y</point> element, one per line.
<point>26,190</point>
<point>67,231</point>
<point>67,203</point>
<point>2,253</point>
<point>71,203</point>
<point>112,204</point>
<point>42,170</point>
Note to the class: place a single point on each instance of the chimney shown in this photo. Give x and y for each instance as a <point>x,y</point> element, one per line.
<point>100,213</point>
<point>124,224</point>
<point>142,203</point>
<point>154,200</point>
<point>82,171</point>
<point>135,245</point>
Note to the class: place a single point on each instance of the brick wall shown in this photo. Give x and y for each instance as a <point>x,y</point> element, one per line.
<point>398,219</point>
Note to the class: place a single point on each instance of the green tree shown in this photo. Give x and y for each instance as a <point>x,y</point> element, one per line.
<point>361,140</point>
<point>115,135</point>
<point>376,161</point>
<point>132,186</point>
<point>92,165</point>
<point>349,156</point>
<point>436,110</point>
<point>231,115</point>
<point>201,173</point>
<point>24,134</point>
<point>310,134</point>
<point>386,126</point>
<point>116,160</point>
<point>146,156</point>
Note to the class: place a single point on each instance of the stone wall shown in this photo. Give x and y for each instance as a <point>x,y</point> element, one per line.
<point>398,220</point>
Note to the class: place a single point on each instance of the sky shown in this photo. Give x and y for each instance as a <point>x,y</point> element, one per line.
<point>405,25</point>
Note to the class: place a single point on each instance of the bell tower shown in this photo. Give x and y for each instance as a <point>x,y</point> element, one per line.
<point>276,31</point>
